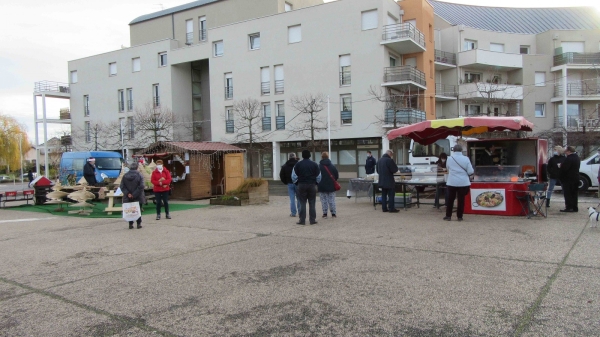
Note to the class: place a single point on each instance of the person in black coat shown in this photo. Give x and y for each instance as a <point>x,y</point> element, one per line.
<point>132,186</point>
<point>569,179</point>
<point>285,175</point>
<point>307,175</point>
<point>370,164</point>
<point>89,172</point>
<point>329,174</point>
<point>554,171</point>
<point>386,167</point>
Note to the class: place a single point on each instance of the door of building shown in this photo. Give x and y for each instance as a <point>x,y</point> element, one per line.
<point>234,171</point>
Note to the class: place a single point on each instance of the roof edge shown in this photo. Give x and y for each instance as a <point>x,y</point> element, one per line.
<point>172,10</point>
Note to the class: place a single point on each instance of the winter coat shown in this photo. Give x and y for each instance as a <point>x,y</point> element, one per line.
<point>553,169</point>
<point>386,167</point>
<point>459,169</point>
<point>370,165</point>
<point>132,183</point>
<point>89,174</point>
<point>306,171</point>
<point>155,177</point>
<point>569,170</point>
<point>286,171</point>
<point>326,183</point>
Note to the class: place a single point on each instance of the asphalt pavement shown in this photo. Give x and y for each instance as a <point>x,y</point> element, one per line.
<point>250,271</point>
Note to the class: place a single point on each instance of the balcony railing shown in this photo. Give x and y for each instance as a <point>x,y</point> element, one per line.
<point>86,110</point>
<point>577,58</point>
<point>445,57</point>
<point>229,126</point>
<point>189,38</point>
<point>280,122</point>
<point>404,73</point>
<point>279,87</point>
<point>121,106</point>
<point>156,101</point>
<point>51,87</point>
<point>266,123</point>
<point>229,92</point>
<point>404,116</point>
<point>130,105</point>
<point>578,89</point>
<point>202,34</point>
<point>265,88</point>
<point>448,90</point>
<point>403,31</point>
<point>345,78</point>
<point>346,117</point>
<point>572,121</point>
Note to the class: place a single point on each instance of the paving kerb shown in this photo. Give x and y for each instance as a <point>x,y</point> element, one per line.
<point>251,271</point>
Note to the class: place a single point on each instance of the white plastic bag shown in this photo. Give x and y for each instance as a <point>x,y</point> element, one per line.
<point>131,211</point>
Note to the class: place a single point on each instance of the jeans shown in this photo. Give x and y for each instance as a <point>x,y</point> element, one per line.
<point>387,199</point>
<point>162,197</point>
<point>457,193</point>
<point>293,193</point>
<point>307,192</point>
<point>551,184</point>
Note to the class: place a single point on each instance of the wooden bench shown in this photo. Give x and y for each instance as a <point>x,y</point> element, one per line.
<point>15,196</point>
<point>111,202</point>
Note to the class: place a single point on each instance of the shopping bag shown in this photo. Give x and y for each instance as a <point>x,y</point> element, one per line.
<point>131,211</point>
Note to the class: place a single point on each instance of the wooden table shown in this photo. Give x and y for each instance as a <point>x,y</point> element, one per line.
<point>111,200</point>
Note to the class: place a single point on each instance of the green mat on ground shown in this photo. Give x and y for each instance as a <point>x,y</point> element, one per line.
<point>98,209</point>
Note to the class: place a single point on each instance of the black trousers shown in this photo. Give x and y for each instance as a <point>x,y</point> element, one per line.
<point>162,198</point>
<point>387,199</point>
<point>459,193</point>
<point>307,192</point>
<point>571,193</point>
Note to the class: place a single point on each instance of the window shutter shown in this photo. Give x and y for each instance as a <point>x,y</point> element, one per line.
<point>136,64</point>
<point>279,73</point>
<point>573,47</point>
<point>369,19</point>
<point>294,34</point>
<point>264,74</point>
<point>540,79</point>
<point>497,47</point>
<point>344,61</point>
<point>74,76</point>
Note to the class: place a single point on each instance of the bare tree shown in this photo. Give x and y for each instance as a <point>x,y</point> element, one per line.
<point>152,124</point>
<point>394,101</point>
<point>310,122</point>
<point>90,139</point>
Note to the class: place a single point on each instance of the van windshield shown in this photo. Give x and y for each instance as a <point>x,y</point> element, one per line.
<point>442,145</point>
<point>108,163</point>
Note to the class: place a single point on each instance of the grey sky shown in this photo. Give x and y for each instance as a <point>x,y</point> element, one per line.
<point>37,46</point>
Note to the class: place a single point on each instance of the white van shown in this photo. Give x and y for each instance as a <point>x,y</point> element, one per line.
<point>588,172</point>
<point>427,154</point>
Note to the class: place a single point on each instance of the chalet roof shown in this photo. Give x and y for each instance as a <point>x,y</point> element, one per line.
<point>193,147</point>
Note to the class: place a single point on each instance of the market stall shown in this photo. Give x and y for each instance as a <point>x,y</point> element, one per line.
<point>199,169</point>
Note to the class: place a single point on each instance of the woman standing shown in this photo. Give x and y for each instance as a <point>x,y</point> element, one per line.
<point>161,178</point>
<point>132,186</point>
<point>554,170</point>
<point>329,174</point>
<point>458,184</point>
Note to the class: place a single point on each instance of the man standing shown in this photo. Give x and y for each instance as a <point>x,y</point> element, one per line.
<point>370,164</point>
<point>286,178</point>
<point>554,171</point>
<point>569,179</point>
<point>386,167</point>
<point>89,172</point>
<point>307,175</point>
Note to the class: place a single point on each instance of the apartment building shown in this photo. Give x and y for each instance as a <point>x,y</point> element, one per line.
<point>381,63</point>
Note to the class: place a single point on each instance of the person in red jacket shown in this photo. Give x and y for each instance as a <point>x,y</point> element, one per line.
<point>161,179</point>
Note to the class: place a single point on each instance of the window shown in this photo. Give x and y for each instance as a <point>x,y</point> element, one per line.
<point>279,79</point>
<point>472,77</point>
<point>265,81</point>
<point>524,49</point>
<point>346,109</point>
<point>74,76</point>
<point>266,117</point>
<point>540,109</point>
<point>345,78</point>
<point>472,110</point>
<point>294,34</point>
<point>218,48</point>
<point>288,7</point>
<point>369,19</point>
<point>573,113</point>
<point>202,28</point>
<point>162,59</point>
<point>136,64</point>
<point>280,117</point>
<point>86,105</point>
<point>347,157</point>
<point>112,69</point>
<point>392,61</point>
<point>540,79</point>
<point>497,47</point>
<point>229,119</point>
<point>131,128</point>
<point>121,97</point>
<point>470,45</point>
<point>254,41</point>
<point>156,95</point>
<point>88,132</point>
<point>129,99</point>
<point>189,31</point>
<point>228,86</point>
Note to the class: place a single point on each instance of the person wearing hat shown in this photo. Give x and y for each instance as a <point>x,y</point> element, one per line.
<point>569,179</point>
<point>132,186</point>
<point>285,175</point>
<point>89,172</point>
<point>458,183</point>
<point>554,170</point>
<point>306,174</point>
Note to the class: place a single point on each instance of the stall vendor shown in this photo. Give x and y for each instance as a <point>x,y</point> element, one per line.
<point>490,157</point>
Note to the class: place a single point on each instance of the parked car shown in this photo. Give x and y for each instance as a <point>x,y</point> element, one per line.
<point>4,179</point>
<point>588,172</point>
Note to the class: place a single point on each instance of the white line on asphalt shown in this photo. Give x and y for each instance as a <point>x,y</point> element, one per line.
<point>22,220</point>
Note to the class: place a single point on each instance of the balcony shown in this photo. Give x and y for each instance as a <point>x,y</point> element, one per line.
<point>52,89</point>
<point>229,126</point>
<point>403,38</point>
<point>202,34</point>
<point>130,105</point>
<point>573,121</point>
<point>445,92</point>
<point>189,38</point>
<point>403,116</point>
<point>403,76</point>
<point>156,101</point>
<point>265,88</point>
<point>229,92</point>
<point>483,91</point>
<point>266,123</point>
<point>279,87</point>
<point>280,122</point>
<point>485,60</point>
<point>121,106</point>
<point>583,91</point>
<point>444,60</point>
<point>577,59</point>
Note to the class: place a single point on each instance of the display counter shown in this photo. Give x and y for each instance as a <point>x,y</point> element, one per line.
<point>496,198</point>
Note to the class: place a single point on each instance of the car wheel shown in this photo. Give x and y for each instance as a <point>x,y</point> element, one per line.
<point>584,184</point>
